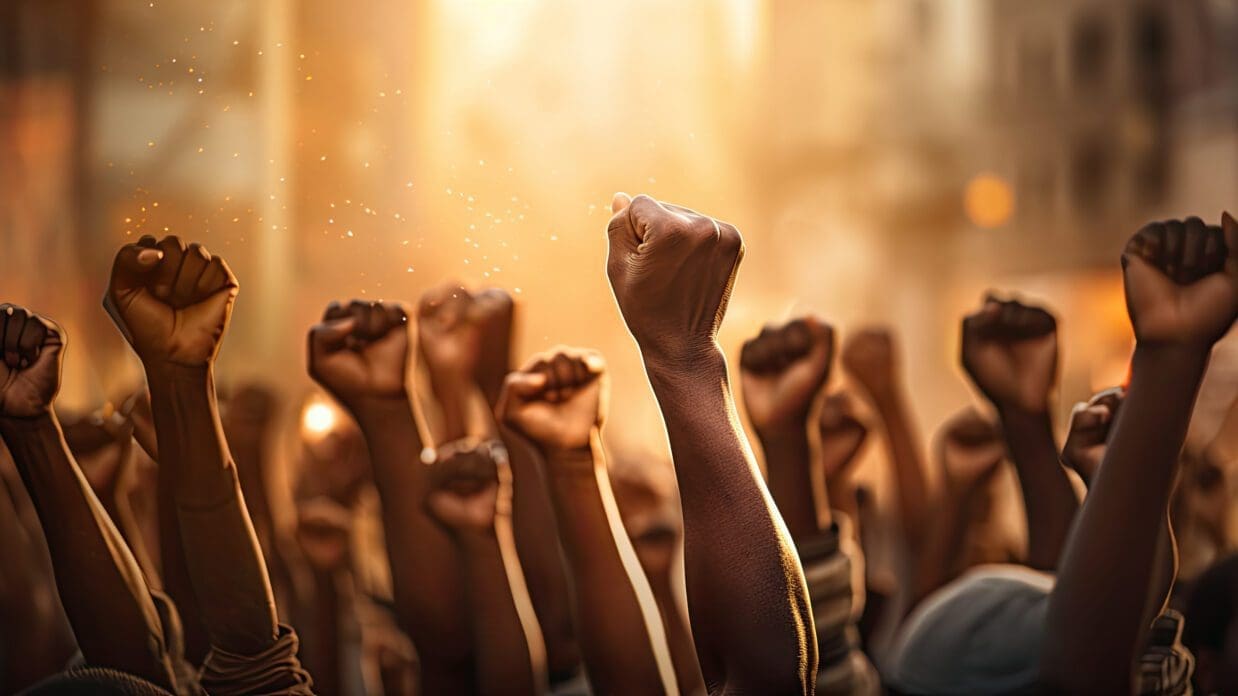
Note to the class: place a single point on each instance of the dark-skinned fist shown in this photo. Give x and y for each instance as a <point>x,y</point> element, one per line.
<point>171,301</point>
<point>842,435</point>
<point>671,270</point>
<point>782,370</point>
<point>556,399</point>
<point>1181,281</point>
<point>465,483</point>
<point>1090,421</point>
<point>30,372</point>
<point>970,449</point>
<point>1009,350</point>
<point>360,351</point>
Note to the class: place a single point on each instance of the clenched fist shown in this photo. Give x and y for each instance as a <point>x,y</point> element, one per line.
<point>971,451</point>
<point>171,301</point>
<point>1182,281</point>
<point>1010,351</point>
<point>671,270</point>
<point>842,435</point>
<point>464,485</point>
<point>556,399</point>
<point>782,370</point>
<point>1089,430</point>
<point>868,356</point>
<point>450,342</point>
<point>30,372</point>
<point>360,351</point>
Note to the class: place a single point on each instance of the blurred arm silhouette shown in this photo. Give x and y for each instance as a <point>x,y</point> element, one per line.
<point>672,270</point>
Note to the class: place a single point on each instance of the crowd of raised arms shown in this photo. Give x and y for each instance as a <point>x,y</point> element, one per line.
<point>143,550</point>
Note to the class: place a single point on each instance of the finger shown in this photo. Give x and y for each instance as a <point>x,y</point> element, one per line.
<point>12,334</point>
<point>564,369</point>
<point>1092,417</point>
<point>193,265</point>
<point>334,310</point>
<point>1175,237</point>
<point>1110,398</point>
<point>594,363</point>
<point>31,339</point>
<point>213,277</point>
<point>1196,237</point>
<point>1213,251</point>
<point>133,264</point>
<point>527,385</point>
<point>165,273</point>
<point>396,314</point>
<point>619,201</point>
<point>643,211</point>
<point>331,336</point>
<point>797,339</point>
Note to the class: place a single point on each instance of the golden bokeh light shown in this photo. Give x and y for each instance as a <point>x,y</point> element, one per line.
<point>988,201</point>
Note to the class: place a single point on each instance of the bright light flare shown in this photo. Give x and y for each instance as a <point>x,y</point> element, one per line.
<point>318,419</point>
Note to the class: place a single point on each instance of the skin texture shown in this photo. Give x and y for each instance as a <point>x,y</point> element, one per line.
<point>842,437</point>
<point>1181,281</point>
<point>173,302</point>
<point>672,270</point>
<point>323,535</point>
<point>970,452</point>
<point>360,354</point>
<point>557,401</point>
<point>471,497</point>
<point>781,372</point>
<point>112,614</point>
<point>1009,350</point>
<point>1090,422</point>
<point>869,358</point>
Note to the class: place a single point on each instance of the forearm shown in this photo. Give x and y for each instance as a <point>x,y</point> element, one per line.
<point>1097,609</point>
<point>219,546</point>
<point>942,550</point>
<point>736,548</point>
<point>505,662</point>
<point>616,632</point>
<point>905,455</point>
<point>541,556</point>
<point>426,577</point>
<point>1048,497</point>
<point>113,617</point>
<point>678,637</point>
<point>787,465</point>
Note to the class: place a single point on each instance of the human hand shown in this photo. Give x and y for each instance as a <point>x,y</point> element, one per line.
<point>782,370</point>
<point>1090,421</point>
<point>1009,350</point>
<point>30,371</point>
<point>360,351</point>
<point>556,399</point>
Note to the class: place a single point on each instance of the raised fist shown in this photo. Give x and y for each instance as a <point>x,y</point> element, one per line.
<point>971,450</point>
<point>782,369</point>
<point>30,373</point>
<point>171,301</point>
<point>360,351</point>
<point>842,435</point>
<point>450,342</point>
<point>556,399</point>
<point>464,485</point>
<point>671,270</point>
<point>1010,351</point>
<point>868,356</point>
<point>494,312</point>
<point>1182,281</point>
<point>1089,430</point>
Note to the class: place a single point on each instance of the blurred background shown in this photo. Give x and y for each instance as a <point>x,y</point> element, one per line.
<point>886,160</point>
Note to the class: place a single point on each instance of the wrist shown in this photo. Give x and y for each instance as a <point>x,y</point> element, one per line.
<point>377,407</point>
<point>18,425</point>
<point>167,373</point>
<point>792,429</point>
<point>571,463</point>
<point>705,362</point>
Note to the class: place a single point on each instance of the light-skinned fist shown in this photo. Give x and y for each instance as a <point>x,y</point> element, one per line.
<point>671,270</point>
<point>172,301</point>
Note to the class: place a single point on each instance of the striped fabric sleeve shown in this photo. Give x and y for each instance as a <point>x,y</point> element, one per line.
<point>833,569</point>
<point>1166,666</point>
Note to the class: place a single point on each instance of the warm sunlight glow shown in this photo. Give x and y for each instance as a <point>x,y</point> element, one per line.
<point>989,201</point>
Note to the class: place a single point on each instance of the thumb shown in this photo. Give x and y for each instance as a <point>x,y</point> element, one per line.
<point>329,336</point>
<point>619,202</point>
<point>526,385</point>
<point>133,262</point>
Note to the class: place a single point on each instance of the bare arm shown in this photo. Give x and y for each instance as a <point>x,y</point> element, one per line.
<point>1010,351</point>
<point>870,360</point>
<point>360,354</point>
<point>671,270</point>
<point>556,402</point>
<point>100,584</point>
<point>1182,296</point>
